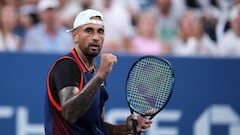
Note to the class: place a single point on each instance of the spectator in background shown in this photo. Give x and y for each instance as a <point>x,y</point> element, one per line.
<point>192,40</point>
<point>229,44</point>
<point>8,40</point>
<point>70,8</point>
<point>27,17</point>
<point>168,14</point>
<point>133,7</point>
<point>118,27</point>
<point>49,35</point>
<point>146,41</point>
<point>223,24</point>
<point>213,11</point>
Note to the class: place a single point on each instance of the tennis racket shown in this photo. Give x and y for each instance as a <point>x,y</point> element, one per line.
<point>149,86</point>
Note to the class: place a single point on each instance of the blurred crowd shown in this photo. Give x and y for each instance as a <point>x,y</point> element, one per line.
<point>183,28</point>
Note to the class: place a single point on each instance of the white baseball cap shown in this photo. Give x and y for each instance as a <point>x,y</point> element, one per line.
<point>46,4</point>
<point>84,17</point>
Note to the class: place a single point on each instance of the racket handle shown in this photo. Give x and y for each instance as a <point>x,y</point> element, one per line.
<point>134,126</point>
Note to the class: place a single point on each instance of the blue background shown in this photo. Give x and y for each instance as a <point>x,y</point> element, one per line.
<point>200,83</point>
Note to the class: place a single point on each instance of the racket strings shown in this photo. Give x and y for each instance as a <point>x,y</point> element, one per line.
<point>149,85</point>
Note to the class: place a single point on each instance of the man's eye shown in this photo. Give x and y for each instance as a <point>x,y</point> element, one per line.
<point>101,32</point>
<point>88,30</point>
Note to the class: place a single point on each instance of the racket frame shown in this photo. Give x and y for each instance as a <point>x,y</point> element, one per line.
<point>170,94</point>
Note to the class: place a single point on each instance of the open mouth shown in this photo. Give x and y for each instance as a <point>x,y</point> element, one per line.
<point>94,46</point>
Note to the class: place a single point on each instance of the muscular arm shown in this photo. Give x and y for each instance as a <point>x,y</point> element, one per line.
<point>74,106</point>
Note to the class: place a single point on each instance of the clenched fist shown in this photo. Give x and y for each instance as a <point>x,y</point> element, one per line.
<point>106,64</point>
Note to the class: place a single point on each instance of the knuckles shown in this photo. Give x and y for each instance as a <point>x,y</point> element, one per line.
<point>108,57</point>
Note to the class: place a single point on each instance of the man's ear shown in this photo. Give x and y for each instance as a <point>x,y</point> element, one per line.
<point>75,36</point>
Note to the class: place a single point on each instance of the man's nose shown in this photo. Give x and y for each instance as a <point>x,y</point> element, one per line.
<point>96,37</point>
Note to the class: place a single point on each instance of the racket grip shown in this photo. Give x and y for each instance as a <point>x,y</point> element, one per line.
<point>134,126</point>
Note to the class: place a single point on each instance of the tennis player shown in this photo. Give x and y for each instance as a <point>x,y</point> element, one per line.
<point>75,85</point>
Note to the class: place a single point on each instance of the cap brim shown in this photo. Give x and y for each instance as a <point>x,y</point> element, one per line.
<point>70,30</point>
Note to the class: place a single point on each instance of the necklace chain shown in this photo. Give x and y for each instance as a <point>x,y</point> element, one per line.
<point>83,62</point>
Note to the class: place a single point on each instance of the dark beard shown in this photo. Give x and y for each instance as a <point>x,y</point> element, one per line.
<point>90,54</point>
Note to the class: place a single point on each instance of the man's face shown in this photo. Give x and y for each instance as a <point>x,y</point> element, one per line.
<point>89,39</point>
<point>49,17</point>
